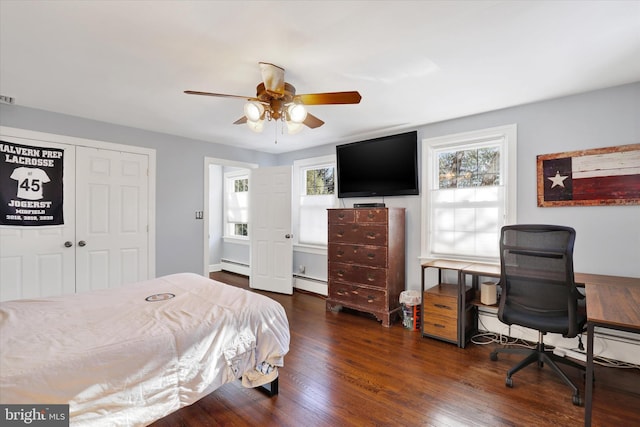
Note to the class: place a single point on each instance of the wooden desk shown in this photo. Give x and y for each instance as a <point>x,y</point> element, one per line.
<point>476,271</point>
<point>466,321</point>
<point>612,302</point>
<point>445,298</point>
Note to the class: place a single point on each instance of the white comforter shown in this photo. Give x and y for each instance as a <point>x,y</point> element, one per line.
<point>118,359</point>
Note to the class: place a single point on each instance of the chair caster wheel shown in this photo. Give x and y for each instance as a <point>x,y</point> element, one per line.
<point>509,382</point>
<point>493,356</point>
<point>576,400</point>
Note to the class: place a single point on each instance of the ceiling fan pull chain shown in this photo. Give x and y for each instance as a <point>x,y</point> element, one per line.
<point>276,132</point>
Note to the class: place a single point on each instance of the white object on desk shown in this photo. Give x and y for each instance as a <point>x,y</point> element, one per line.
<point>488,293</point>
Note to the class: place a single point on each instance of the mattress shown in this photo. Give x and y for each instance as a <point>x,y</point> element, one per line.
<point>132,355</point>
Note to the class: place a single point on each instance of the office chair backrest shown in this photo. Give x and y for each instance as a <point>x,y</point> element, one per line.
<point>537,277</point>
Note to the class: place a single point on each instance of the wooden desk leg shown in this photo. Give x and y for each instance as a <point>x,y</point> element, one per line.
<point>589,377</point>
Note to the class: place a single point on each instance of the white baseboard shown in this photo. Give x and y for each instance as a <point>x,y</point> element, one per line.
<point>606,342</point>
<point>309,284</point>
<point>215,267</point>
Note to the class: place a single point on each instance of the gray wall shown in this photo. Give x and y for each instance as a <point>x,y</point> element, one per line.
<point>179,177</point>
<point>608,237</point>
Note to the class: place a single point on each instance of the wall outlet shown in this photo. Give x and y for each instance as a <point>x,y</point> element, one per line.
<point>199,214</point>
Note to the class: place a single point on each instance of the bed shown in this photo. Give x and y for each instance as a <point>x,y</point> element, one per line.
<point>132,355</point>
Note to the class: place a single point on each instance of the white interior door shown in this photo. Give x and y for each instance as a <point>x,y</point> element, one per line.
<point>112,222</point>
<point>34,261</point>
<point>270,229</point>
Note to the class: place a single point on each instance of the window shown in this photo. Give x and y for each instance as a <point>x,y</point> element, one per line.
<point>314,193</point>
<point>470,184</point>
<point>236,198</point>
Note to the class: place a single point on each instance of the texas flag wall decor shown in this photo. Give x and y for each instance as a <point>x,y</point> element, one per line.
<point>602,176</point>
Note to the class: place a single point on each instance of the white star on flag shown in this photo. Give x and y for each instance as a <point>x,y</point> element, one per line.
<point>557,180</point>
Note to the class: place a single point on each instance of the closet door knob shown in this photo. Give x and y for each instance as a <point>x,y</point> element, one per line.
<point>82,243</point>
<point>68,244</point>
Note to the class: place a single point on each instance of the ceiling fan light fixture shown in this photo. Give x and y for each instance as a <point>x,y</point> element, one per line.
<point>253,111</point>
<point>293,127</point>
<point>256,125</point>
<point>297,113</point>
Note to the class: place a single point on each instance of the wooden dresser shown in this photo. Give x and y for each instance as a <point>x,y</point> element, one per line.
<point>366,260</point>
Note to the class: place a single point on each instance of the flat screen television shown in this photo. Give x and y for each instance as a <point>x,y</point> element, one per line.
<point>386,166</point>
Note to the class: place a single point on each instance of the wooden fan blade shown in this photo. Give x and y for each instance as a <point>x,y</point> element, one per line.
<point>352,97</point>
<point>242,120</point>
<point>312,121</point>
<point>273,78</point>
<point>220,95</point>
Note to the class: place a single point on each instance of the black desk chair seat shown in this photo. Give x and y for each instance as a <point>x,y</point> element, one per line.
<point>539,292</point>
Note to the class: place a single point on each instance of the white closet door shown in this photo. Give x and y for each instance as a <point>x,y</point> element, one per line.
<point>34,261</point>
<point>112,218</point>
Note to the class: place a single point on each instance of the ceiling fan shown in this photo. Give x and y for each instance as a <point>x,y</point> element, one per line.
<point>277,100</point>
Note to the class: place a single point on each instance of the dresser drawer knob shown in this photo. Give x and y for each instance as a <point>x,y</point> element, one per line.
<point>371,235</point>
<point>370,298</point>
<point>371,256</point>
<point>354,292</point>
<point>340,273</point>
<point>446,307</point>
<point>340,252</point>
<point>371,215</point>
<point>341,215</point>
<point>437,325</point>
<point>371,277</point>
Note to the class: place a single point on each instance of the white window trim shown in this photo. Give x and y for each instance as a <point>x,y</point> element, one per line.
<point>298,166</point>
<point>228,176</point>
<point>509,159</point>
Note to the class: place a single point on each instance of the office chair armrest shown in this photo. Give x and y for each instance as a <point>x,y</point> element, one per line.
<point>580,290</point>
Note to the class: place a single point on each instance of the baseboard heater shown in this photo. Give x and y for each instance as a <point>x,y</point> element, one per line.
<point>235,267</point>
<point>311,284</point>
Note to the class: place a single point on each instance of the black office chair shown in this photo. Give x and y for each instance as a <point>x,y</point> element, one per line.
<point>539,292</point>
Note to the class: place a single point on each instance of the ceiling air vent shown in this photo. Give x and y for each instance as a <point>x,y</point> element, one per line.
<point>7,100</point>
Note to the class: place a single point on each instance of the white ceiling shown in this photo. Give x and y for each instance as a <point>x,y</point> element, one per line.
<point>414,62</point>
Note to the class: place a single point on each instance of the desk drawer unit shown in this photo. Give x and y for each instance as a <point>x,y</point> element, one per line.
<point>366,260</point>
<point>441,313</point>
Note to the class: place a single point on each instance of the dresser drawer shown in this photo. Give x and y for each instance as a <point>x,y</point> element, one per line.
<point>372,299</point>
<point>372,256</point>
<point>336,216</point>
<point>371,215</point>
<point>360,274</point>
<point>440,326</point>
<point>369,234</point>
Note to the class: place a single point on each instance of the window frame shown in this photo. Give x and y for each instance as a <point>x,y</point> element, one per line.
<point>229,179</point>
<point>299,179</point>
<point>508,177</point>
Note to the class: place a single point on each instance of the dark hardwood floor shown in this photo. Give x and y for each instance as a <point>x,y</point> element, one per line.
<point>345,369</point>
